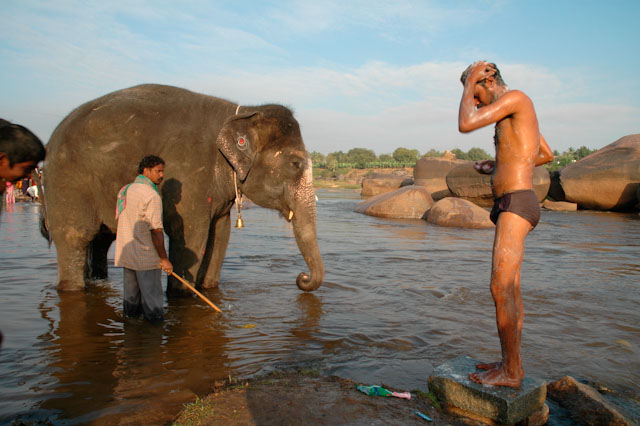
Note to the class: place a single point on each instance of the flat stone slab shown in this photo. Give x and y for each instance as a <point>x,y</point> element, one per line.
<point>450,383</point>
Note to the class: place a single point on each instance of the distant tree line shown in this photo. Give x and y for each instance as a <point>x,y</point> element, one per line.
<point>363,158</point>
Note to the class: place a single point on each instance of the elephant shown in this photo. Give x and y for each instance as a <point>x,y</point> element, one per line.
<point>213,148</point>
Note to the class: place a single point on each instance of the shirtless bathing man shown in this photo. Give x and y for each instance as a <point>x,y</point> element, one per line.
<point>519,149</point>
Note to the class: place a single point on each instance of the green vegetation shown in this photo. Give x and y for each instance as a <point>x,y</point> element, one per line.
<point>340,163</point>
<point>569,156</point>
<point>196,413</point>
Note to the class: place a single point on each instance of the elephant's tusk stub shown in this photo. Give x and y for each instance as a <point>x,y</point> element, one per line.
<point>290,214</point>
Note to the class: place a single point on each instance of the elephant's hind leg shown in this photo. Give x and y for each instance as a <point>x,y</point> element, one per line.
<point>97,254</point>
<point>72,247</point>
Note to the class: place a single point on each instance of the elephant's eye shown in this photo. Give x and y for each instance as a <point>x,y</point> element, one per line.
<point>297,163</point>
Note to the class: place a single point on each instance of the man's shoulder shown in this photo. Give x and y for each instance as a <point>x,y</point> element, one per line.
<point>143,190</point>
<point>517,96</point>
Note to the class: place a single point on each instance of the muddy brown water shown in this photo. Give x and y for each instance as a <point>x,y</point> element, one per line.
<point>400,297</point>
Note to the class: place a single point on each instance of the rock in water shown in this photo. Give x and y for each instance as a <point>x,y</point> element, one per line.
<point>431,172</point>
<point>380,183</point>
<point>460,213</point>
<point>465,182</point>
<point>608,179</point>
<point>409,202</point>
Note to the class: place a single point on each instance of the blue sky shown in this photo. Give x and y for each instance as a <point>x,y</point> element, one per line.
<point>358,74</point>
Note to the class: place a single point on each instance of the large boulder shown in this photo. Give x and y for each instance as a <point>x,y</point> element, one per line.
<point>608,179</point>
<point>409,202</point>
<point>459,213</point>
<point>431,172</point>
<point>380,183</point>
<point>466,183</point>
<point>541,182</point>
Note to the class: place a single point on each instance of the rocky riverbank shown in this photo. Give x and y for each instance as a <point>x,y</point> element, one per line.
<point>304,396</point>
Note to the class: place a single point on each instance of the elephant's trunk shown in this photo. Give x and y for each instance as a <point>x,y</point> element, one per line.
<point>304,228</point>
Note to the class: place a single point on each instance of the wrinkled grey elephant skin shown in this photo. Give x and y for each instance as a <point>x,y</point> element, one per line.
<point>203,140</point>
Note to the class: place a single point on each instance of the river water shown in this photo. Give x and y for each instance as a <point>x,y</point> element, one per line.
<point>399,297</point>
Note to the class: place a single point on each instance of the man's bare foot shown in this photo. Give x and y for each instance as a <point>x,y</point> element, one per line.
<point>497,377</point>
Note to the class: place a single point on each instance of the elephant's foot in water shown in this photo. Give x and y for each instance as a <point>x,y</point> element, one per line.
<point>70,285</point>
<point>210,283</point>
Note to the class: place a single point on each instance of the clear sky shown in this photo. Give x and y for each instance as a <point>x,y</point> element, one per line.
<point>358,74</point>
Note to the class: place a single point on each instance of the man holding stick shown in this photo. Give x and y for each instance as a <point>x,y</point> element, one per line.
<point>140,241</point>
<point>519,149</point>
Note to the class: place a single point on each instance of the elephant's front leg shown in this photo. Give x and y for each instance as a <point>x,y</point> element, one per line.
<point>220,240</point>
<point>188,234</point>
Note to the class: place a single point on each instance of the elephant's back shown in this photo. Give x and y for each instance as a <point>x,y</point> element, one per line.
<point>101,142</point>
<point>134,122</point>
<point>129,112</point>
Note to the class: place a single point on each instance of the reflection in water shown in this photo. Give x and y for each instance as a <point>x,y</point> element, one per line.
<point>399,298</point>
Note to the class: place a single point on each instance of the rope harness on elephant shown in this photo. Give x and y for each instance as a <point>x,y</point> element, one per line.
<point>239,222</point>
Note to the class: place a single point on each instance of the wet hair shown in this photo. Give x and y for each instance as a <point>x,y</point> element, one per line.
<point>149,162</point>
<point>20,144</point>
<point>497,76</point>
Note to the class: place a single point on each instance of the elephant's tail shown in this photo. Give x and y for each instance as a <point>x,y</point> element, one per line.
<point>44,223</point>
<point>44,229</point>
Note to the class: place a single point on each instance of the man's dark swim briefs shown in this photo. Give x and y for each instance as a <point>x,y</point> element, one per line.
<point>523,203</point>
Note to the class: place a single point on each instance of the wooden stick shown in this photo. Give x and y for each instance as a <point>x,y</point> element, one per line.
<point>190,287</point>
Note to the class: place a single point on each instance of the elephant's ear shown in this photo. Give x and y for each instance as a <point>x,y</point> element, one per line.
<point>236,144</point>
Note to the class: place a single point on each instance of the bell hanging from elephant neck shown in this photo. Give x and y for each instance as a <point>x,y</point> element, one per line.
<point>239,222</point>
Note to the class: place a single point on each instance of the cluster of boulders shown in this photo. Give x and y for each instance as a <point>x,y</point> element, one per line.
<point>450,192</point>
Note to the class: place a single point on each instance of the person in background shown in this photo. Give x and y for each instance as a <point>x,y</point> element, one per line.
<point>10,194</point>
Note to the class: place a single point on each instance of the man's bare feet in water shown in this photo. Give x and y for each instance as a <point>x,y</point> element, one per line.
<point>496,375</point>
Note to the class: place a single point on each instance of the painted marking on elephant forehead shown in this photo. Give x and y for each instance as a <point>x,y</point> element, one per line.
<point>276,154</point>
<point>129,119</point>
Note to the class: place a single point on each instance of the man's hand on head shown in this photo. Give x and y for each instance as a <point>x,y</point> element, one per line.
<point>481,70</point>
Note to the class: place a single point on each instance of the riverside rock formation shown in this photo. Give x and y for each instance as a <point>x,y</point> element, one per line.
<point>431,173</point>
<point>466,183</point>
<point>409,202</point>
<point>380,183</point>
<point>459,213</point>
<point>608,179</point>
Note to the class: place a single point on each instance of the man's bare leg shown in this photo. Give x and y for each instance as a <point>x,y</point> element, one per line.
<point>508,252</point>
<point>492,365</point>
